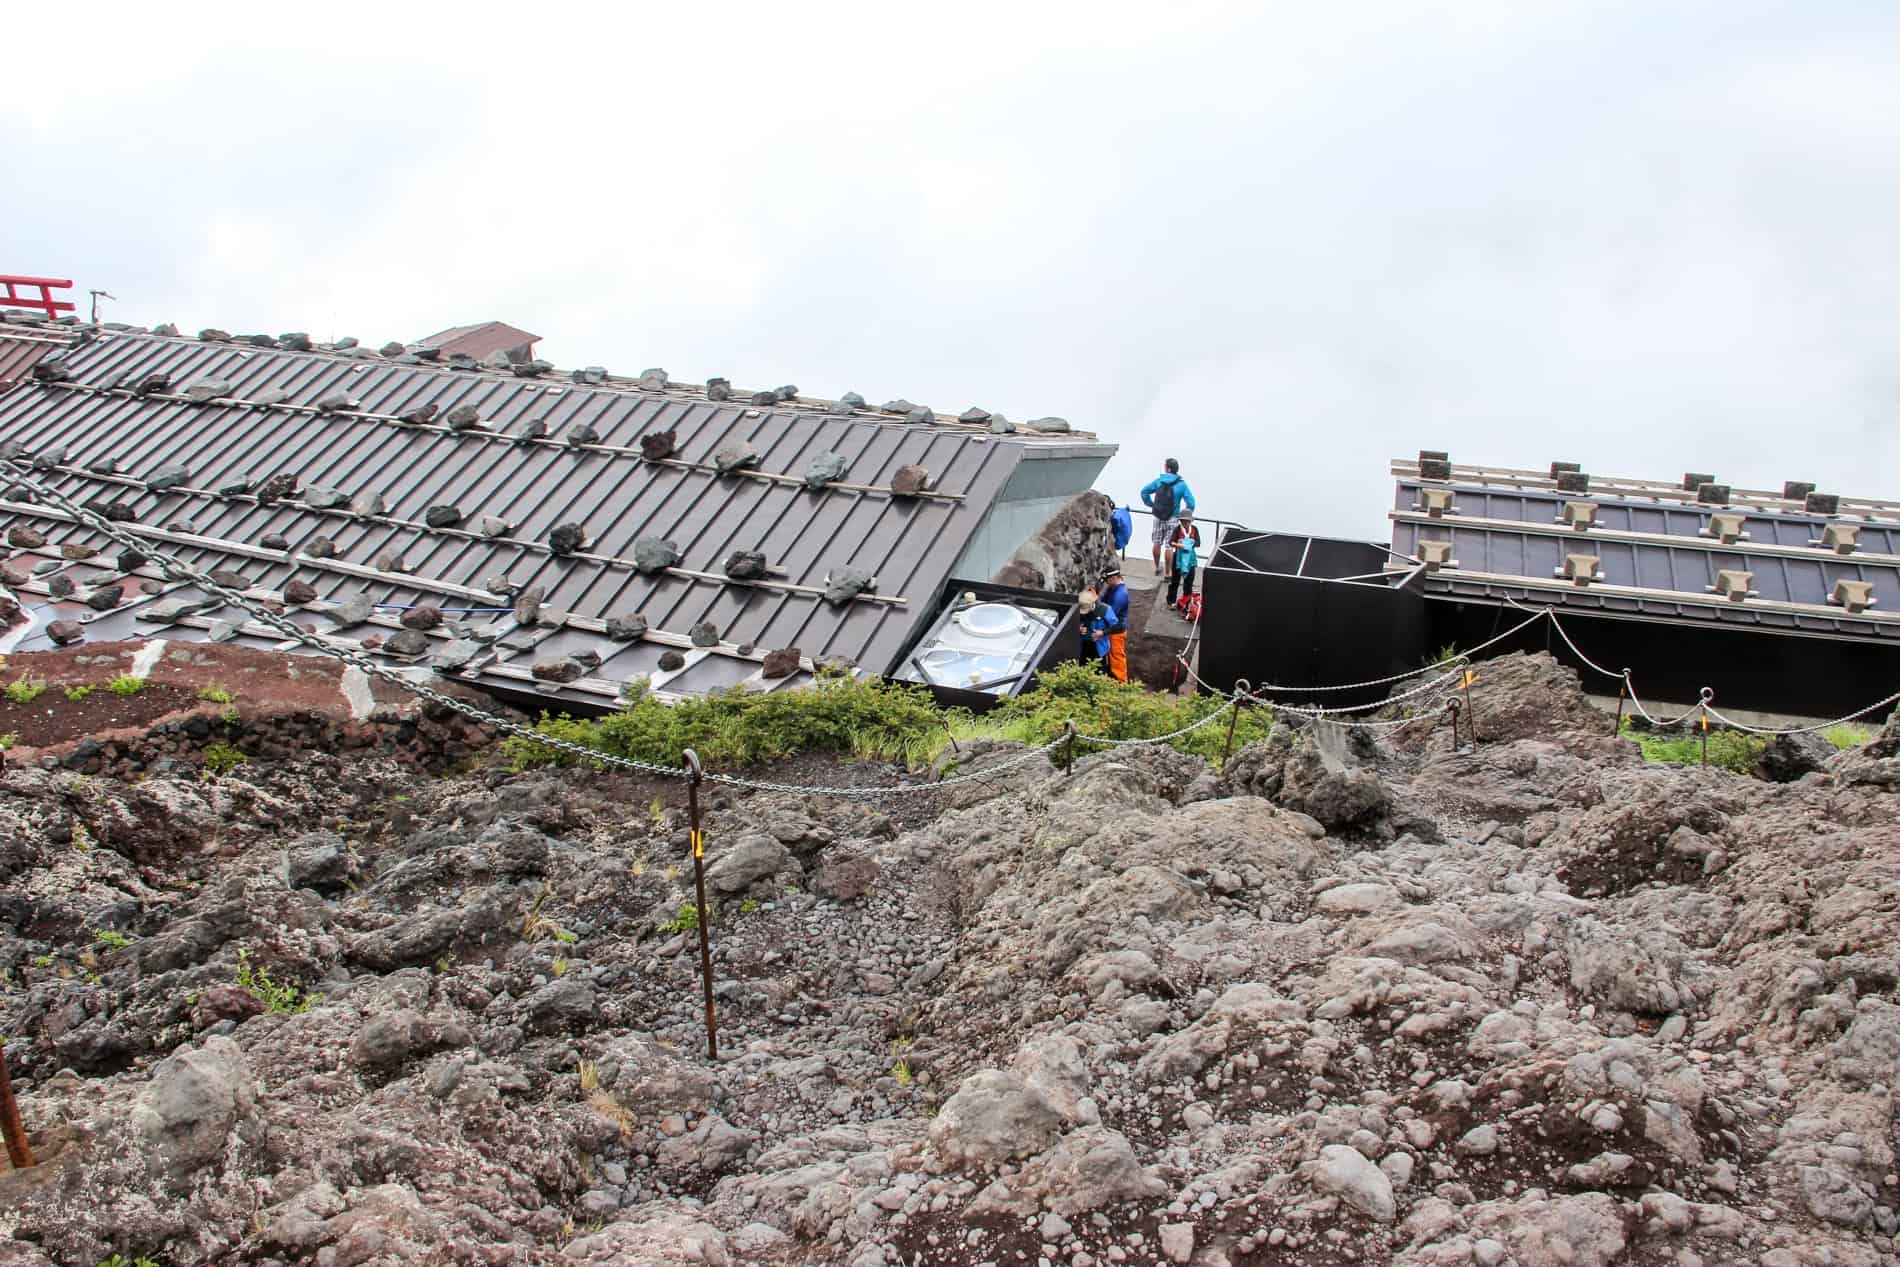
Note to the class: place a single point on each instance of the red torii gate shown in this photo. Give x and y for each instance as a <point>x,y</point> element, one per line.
<point>44,302</point>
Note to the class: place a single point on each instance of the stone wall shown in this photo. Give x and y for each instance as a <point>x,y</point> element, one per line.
<point>1069,552</point>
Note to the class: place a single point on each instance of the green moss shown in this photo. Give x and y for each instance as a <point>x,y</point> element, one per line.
<point>1730,750</point>
<point>883,721</point>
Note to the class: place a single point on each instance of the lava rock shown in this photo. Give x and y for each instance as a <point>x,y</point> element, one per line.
<point>295,341</point>
<point>407,643</point>
<point>718,389</point>
<point>974,414</point>
<point>442,516</point>
<point>104,600</point>
<point>368,505</point>
<point>781,663</point>
<point>299,592</point>
<point>528,605</point>
<point>276,488</point>
<point>60,587</point>
<point>204,390</point>
<point>268,398</point>
<point>582,435</point>
<point>750,859</point>
<point>825,468</point>
<point>22,537</point>
<point>847,583</point>
<point>65,632</point>
<point>566,539</point>
<point>194,1102</point>
<point>320,498</point>
<point>338,403</point>
<point>559,669</point>
<point>422,617</point>
<point>704,634</point>
<point>658,444</point>
<point>672,661</point>
<point>735,455</point>
<point>491,527</point>
<point>920,416</point>
<point>167,478</point>
<point>909,480</point>
<point>274,541</point>
<point>320,548</point>
<point>627,628</point>
<point>654,554</point>
<point>463,418</point>
<point>419,414</point>
<point>745,565</point>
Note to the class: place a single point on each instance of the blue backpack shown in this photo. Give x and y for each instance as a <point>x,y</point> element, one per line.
<point>1124,525</point>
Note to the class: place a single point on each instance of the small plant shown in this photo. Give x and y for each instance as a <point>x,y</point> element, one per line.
<point>276,996</point>
<point>1729,750</point>
<point>670,872</point>
<point>222,758</point>
<point>9,739</point>
<point>230,716</point>
<point>215,694</point>
<point>565,937</point>
<point>685,920</point>
<point>77,693</point>
<point>126,684</point>
<point>656,813</point>
<point>443,964</point>
<point>111,938</point>
<point>120,1260</point>
<point>900,1070</point>
<point>1847,734</point>
<point>42,961</point>
<point>25,689</point>
<point>590,1077</point>
<point>558,967</point>
<point>748,906</point>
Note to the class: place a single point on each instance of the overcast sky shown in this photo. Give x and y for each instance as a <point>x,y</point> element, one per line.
<point>1283,242</point>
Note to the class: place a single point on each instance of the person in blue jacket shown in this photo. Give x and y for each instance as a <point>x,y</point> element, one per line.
<point>1098,623</point>
<point>1166,495</point>
<point>1114,592</point>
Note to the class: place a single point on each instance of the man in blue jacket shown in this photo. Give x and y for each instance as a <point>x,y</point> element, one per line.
<point>1167,496</point>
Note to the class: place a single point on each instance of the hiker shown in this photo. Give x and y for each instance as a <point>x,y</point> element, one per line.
<point>1115,597</point>
<point>1098,623</point>
<point>1167,495</point>
<point>1184,555</point>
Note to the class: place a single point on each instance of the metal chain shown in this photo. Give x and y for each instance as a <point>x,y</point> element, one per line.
<point>1214,716</point>
<point>1802,730</point>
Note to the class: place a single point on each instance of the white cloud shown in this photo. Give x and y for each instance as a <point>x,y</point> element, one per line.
<point>1280,242</point>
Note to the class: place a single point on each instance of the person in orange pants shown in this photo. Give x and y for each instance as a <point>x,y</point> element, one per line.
<point>1114,593</point>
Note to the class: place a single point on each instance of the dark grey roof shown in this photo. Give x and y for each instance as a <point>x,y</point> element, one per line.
<point>23,347</point>
<point>1508,539</point>
<point>108,443</point>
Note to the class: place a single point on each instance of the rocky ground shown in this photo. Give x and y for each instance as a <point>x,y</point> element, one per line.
<point>1345,1001</point>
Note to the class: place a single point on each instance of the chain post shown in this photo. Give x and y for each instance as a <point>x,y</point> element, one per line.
<point>1471,713</point>
<point>1242,688</point>
<point>1068,749</point>
<point>1622,693</point>
<point>694,774</point>
<point>1452,707</point>
<point>19,1151</point>
<point>1707,695</point>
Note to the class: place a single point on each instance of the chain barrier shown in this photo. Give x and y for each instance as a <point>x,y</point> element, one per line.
<point>1802,730</point>
<point>1412,673</point>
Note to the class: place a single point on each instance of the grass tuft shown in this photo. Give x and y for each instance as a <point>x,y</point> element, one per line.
<point>126,684</point>
<point>25,689</point>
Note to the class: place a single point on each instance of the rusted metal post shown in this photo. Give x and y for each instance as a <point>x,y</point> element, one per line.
<point>1622,693</point>
<point>1242,691</point>
<point>1471,714</point>
<point>19,1152</point>
<point>699,889</point>
<point>1068,750</point>
<point>1451,706</point>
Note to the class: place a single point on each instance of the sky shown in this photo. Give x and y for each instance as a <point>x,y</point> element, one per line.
<point>1282,243</point>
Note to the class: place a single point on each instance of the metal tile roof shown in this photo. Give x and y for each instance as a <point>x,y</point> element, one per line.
<point>108,442</point>
<point>1657,550</point>
<point>481,339</point>
<point>23,347</point>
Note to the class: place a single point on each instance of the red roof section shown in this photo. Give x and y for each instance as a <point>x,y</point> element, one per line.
<point>482,339</point>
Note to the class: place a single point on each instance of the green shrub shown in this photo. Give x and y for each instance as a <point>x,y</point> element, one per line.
<point>1848,734</point>
<point>222,758</point>
<point>9,739</point>
<point>126,684</point>
<point>276,996</point>
<point>1730,750</point>
<point>1108,709</point>
<point>111,938</point>
<point>77,693</point>
<point>217,695</point>
<point>25,689</point>
<point>885,721</point>
<point>685,920</point>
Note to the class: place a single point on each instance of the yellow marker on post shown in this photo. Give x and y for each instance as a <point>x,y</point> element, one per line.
<point>699,844</point>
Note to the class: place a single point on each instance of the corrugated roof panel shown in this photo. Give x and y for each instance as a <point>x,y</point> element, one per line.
<point>616,497</point>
